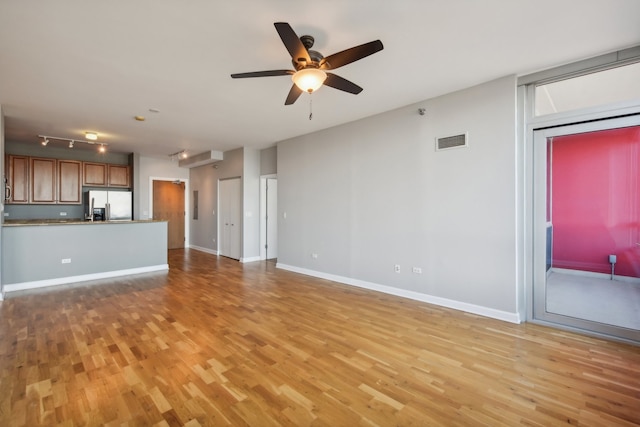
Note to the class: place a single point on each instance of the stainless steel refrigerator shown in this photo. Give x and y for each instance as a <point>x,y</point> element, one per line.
<point>114,205</point>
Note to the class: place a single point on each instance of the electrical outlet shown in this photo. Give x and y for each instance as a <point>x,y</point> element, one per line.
<point>396,268</point>
<point>66,260</point>
<point>63,214</point>
<point>417,270</point>
<point>314,256</point>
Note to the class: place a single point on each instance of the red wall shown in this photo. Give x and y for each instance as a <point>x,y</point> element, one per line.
<point>595,200</point>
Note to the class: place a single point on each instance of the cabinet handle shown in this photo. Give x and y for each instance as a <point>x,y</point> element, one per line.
<point>7,193</point>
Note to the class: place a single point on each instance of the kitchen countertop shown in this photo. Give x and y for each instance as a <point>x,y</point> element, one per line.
<point>70,221</point>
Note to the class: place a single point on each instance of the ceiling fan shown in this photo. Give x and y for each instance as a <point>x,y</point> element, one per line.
<point>309,74</point>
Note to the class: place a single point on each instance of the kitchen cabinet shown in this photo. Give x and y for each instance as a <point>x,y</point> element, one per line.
<point>69,182</point>
<point>55,181</point>
<point>95,174</point>
<point>39,180</point>
<point>119,176</point>
<point>17,186</point>
<point>42,180</point>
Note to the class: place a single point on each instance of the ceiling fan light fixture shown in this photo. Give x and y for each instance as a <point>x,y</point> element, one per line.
<point>309,79</point>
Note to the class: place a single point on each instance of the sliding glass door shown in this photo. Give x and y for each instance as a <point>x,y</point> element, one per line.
<point>586,226</point>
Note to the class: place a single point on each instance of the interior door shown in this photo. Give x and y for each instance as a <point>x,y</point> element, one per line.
<point>168,205</point>
<point>272,218</point>
<point>230,224</point>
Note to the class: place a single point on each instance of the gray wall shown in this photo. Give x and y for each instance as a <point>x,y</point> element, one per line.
<point>248,164</point>
<point>204,179</point>
<point>374,193</point>
<point>34,253</point>
<point>269,161</point>
<point>84,153</point>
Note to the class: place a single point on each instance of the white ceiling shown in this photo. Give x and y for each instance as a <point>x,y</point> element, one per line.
<point>70,66</point>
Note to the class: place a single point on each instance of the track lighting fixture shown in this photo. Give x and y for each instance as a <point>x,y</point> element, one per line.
<point>179,155</point>
<point>46,139</point>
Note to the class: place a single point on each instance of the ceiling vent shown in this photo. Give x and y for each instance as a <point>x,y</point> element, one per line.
<point>455,141</point>
<point>201,159</point>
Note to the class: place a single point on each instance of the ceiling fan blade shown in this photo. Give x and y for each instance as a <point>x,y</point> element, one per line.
<point>294,93</point>
<point>292,42</point>
<point>340,83</point>
<point>348,56</point>
<point>263,74</point>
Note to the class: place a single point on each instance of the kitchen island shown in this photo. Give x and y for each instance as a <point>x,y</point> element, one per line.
<point>38,253</point>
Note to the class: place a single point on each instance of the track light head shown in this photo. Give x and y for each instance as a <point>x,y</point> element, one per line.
<point>71,144</point>
<point>44,142</point>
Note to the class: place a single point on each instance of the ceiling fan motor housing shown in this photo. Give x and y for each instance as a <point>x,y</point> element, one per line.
<point>316,57</point>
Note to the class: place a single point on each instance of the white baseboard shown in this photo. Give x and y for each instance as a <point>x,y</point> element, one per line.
<point>201,249</point>
<point>417,296</point>
<point>13,287</point>
<point>250,259</point>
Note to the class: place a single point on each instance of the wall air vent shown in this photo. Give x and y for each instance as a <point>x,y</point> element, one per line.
<point>455,141</point>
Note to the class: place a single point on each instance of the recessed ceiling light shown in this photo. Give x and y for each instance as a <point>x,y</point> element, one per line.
<point>154,110</point>
<point>91,136</point>
<point>140,118</point>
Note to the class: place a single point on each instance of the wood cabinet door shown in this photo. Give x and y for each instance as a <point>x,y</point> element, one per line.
<point>17,179</point>
<point>95,174</point>
<point>119,176</point>
<point>168,205</point>
<point>43,180</point>
<point>69,182</point>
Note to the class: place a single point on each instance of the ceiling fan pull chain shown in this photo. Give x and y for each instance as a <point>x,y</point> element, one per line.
<point>310,107</point>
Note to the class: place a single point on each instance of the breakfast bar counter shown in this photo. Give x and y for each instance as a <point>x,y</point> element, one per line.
<point>37,253</point>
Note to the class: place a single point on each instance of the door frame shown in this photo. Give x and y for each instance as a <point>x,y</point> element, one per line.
<point>263,213</point>
<point>537,225</point>
<point>220,219</point>
<point>186,202</point>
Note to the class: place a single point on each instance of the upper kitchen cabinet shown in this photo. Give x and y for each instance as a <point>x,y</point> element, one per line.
<point>119,176</point>
<point>42,180</point>
<point>17,190</point>
<point>95,174</point>
<point>69,182</point>
<point>55,181</point>
<point>106,175</point>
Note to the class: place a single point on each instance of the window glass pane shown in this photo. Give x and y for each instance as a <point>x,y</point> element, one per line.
<point>605,87</point>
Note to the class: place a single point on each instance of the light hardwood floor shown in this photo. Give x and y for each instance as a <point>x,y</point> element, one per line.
<point>214,342</point>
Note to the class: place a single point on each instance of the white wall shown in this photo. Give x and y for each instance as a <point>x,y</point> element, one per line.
<point>251,205</point>
<point>154,168</point>
<point>374,193</point>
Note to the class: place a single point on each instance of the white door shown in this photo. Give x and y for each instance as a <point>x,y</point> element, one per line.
<point>272,218</point>
<point>229,225</point>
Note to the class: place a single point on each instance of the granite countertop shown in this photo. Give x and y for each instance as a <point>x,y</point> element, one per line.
<point>69,221</point>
